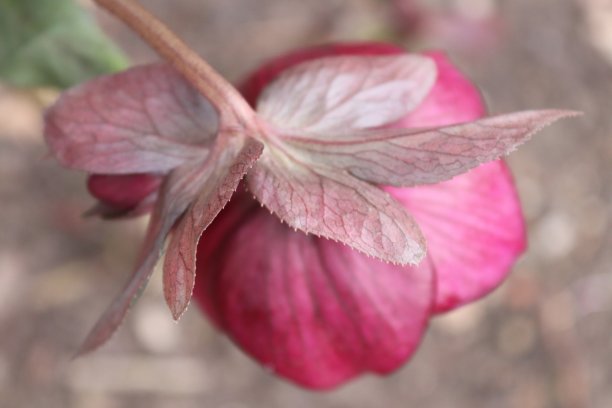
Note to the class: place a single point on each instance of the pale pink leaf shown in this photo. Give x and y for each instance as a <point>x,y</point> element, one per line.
<point>338,207</point>
<point>312,310</point>
<point>348,92</point>
<point>259,79</point>
<point>146,119</point>
<point>233,159</point>
<point>409,157</point>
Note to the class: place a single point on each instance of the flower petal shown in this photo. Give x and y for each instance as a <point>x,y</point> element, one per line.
<point>338,207</point>
<point>453,99</point>
<point>407,157</point>
<point>236,158</point>
<point>474,229</point>
<point>146,119</point>
<point>449,212</point>
<point>355,92</point>
<point>311,310</point>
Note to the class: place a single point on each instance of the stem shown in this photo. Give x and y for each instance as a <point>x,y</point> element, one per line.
<point>202,76</point>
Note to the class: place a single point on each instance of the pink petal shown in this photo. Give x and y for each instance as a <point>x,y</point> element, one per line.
<point>489,253</point>
<point>310,309</point>
<point>336,206</point>
<point>146,119</point>
<point>453,99</point>
<point>409,157</point>
<point>490,188</point>
<point>354,92</point>
<point>474,230</point>
<point>237,155</point>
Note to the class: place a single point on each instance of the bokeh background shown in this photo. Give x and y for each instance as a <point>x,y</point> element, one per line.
<point>541,340</point>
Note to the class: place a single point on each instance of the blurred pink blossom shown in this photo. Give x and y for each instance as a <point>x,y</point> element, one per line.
<point>466,26</point>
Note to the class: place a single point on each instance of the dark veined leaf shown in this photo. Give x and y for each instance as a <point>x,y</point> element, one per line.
<point>336,206</point>
<point>211,183</point>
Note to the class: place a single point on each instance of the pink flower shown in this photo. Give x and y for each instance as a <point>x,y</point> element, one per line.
<point>319,313</point>
<point>333,126</point>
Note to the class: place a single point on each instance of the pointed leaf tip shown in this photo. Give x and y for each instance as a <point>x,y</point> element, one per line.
<point>539,119</point>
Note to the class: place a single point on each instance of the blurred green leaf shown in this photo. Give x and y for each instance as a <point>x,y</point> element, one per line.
<point>52,43</point>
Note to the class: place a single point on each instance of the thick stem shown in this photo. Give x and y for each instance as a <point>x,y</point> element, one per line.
<point>202,76</point>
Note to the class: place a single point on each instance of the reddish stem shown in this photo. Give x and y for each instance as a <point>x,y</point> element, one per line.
<point>230,104</point>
